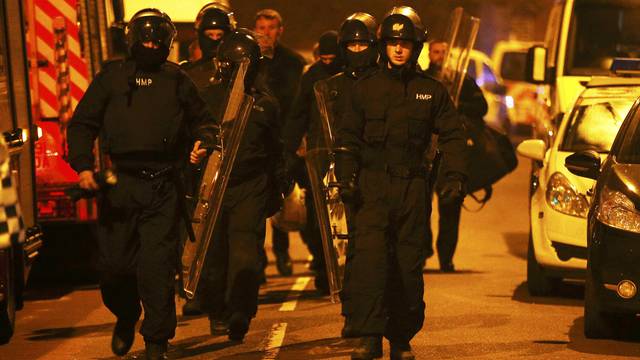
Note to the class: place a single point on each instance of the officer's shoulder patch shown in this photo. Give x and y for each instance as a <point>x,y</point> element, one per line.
<point>258,108</point>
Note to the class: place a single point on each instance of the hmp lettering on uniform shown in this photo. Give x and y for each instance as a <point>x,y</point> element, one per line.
<point>144,82</point>
<point>423,96</point>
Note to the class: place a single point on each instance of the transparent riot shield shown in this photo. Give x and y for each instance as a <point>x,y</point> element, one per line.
<point>215,179</point>
<point>330,211</point>
<point>460,37</point>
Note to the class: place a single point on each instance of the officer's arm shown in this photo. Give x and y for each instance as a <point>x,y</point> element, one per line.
<point>349,129</point>
<point>297,123</point>
<point>201,122</point>
<point>273,143</point>
<point>472,102</point>
<point>86,123</point>
<point>451,134</point>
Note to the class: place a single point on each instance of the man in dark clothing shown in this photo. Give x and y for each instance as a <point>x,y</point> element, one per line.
<point>143,108</point>
<point>358,45</point>
<point>212,23</point>
<point>473,106</point>
<point>388,128</point>
<point>305,119</point>
<point>229,287</point>
<point>282,68</point>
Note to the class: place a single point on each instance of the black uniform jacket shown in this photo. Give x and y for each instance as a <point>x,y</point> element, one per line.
<point>260,149</point>
<point>135,111</point>
<point>392,116</point>
<point>304,117</point>
<point>200,71</point>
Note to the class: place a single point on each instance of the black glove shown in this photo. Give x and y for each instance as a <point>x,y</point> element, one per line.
<point>210,136</point>
<point>451,191</point>
<point>349,192</point>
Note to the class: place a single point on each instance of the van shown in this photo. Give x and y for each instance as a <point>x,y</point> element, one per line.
<point>582,39</point>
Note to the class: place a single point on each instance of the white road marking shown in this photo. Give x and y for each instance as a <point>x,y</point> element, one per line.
<point>274,341</point>
<point>301,284</point>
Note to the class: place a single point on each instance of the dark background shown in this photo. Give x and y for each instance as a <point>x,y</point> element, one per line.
<point>306,20</point>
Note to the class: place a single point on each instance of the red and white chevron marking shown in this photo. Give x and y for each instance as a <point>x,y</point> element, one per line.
<point>45,13</point>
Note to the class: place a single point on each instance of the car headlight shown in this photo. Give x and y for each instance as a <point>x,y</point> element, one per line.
<point>562,197</point>
<point>617,210</point>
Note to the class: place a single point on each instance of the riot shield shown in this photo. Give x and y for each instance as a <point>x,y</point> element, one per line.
<point>214,181</point>
<point>460,38</point>
<point>330,210</point>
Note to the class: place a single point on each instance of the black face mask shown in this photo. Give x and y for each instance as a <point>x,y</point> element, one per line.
<point>333,68</point>
<point>209,47</point>
<point>359,60</point>
<point>149,58</point>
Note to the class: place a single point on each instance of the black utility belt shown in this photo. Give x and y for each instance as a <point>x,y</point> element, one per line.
<point>147,174</point>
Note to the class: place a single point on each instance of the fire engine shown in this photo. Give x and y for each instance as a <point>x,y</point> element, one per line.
<point>49,51</point>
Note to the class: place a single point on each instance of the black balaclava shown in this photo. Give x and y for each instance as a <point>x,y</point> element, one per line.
<point>357,61</point>
<point>328,45</point>
<point>149,58</point>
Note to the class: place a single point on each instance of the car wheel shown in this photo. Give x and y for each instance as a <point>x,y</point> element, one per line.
<point>597,323</point>
<point>8,305</point>
<point>538,283</point>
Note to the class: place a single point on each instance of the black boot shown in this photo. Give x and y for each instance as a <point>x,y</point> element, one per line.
<point>218,325</point>
<point>238,326</point>
<point>401,351</point>
<point>156,350</point>
<point>191,308</point>
<point>122,337</point>
<point>283,263</point>
<point>369,347</point>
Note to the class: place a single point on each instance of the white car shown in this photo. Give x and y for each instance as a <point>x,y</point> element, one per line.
<point>560,200</point>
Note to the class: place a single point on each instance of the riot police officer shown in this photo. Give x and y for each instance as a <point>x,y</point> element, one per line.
<point>388,127</point>
<point>213,22</point>
<point>304,119</point>
<point>358,45</point>
<point>230,283</point>
<point>143,109</point>
<point>473,106</point>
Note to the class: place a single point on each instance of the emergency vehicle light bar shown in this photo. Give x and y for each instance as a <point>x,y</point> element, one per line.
<point>626,66</point>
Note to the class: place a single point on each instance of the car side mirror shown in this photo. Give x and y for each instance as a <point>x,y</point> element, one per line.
<point>584,163</point>
<point>536,71</point>
<point>533,149</point>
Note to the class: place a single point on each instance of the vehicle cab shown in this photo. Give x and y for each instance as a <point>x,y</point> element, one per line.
<point>582,39</point>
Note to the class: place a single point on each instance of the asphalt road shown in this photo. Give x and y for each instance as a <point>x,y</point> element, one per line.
<point>481,312</point>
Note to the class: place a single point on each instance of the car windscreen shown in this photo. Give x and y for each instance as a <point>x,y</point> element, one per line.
<point>601,30</point>
<point>594,123</point>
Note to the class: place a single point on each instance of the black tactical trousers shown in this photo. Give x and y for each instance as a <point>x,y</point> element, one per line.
<point>230,278</point>
<point>386,285</point>
<point>448,229</point>
<point>138,240</point>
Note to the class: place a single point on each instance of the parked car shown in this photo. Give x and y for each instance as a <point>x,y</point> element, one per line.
<point>481,69</point>
<point>559,200</point>
<point>612,302</point>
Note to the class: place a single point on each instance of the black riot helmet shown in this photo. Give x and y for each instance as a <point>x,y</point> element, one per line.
<point>150,25</point>
<point>359,27</point>
<point>403,23</point>
<point>234,48</point>
<point>215,15</point>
